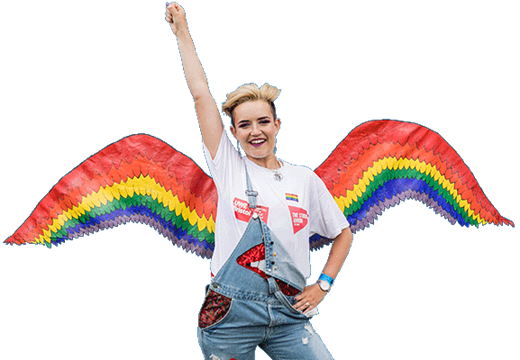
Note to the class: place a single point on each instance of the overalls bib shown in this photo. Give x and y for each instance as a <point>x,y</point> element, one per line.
<point>242,279</point>
<point>248,301</point>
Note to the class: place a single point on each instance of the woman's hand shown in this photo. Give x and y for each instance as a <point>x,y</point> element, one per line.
<point>176,16</point>
<point>309,298</point>
<point>313,295</point>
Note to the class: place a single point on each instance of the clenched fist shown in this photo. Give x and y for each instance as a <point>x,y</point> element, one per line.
<point>176,16</point>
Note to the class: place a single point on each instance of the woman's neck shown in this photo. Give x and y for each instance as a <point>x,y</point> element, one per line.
<point>269,162</point>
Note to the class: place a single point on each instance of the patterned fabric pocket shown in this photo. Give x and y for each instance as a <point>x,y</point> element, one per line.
<point>287,289</point>
<point>214,309</point>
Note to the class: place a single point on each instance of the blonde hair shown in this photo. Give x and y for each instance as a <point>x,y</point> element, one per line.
<point>250,92</point>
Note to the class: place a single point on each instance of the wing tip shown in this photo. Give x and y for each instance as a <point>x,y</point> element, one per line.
<point>13,240</point>
<point>16,239</point>
<point>505,222</point>
<point>10,241</point>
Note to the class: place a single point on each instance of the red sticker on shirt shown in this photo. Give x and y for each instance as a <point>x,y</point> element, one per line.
<point>300,218</point>
<point>244,213</point>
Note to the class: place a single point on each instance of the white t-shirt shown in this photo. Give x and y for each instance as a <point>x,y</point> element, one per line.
<point>294,208</point>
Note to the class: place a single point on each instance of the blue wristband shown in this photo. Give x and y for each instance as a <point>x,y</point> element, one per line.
<point>326,278</point>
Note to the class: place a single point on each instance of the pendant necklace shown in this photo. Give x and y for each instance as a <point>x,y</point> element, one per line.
<point>277,176</point>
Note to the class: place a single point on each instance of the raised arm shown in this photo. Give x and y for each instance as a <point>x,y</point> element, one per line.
<point>208,115</point>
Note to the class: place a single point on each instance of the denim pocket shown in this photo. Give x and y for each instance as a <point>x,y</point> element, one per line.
<point>288,302</point>
<point>214,309</point>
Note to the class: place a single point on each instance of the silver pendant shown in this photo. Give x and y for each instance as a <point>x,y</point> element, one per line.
<point>278,176</point>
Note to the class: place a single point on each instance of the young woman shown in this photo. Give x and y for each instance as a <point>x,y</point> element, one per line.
<point>267,210</point>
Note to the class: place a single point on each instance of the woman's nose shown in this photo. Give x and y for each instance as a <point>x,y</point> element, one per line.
<point>255,129</point>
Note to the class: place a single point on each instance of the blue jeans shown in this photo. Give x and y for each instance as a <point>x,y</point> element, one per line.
<point>269,325</point>
<point>246,308</point>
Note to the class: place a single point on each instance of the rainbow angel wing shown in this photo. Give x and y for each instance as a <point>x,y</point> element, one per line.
<point>381,163</point>
<point>142,179</point>
<point>137,179</point>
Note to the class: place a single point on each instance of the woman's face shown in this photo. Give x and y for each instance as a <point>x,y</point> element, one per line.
<point>256,129</point>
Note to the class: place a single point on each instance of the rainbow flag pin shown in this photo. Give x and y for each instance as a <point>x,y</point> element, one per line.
<point>291,197</point>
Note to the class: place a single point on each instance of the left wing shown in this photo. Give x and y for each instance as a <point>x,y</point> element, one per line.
<point>137,179</point>
<point>381,163</point>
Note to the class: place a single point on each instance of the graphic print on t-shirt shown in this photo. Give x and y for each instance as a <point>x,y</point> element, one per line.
<point>300,218</point>
<point>244,213</point>
<point>291,197</point>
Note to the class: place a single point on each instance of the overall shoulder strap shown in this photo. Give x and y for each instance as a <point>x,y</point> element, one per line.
<point>251,194</point>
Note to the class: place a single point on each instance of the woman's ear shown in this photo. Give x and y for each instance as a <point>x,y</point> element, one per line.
<point>277,124</point>
<point>233,131</point>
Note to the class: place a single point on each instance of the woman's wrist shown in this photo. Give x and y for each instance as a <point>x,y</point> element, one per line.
<point>325,282</point>
<point>326,278</point>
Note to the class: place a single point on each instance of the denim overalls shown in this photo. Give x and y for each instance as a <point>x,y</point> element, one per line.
<point>247,307</point>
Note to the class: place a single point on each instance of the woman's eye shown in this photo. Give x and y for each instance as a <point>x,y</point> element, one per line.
<point>243,125</point>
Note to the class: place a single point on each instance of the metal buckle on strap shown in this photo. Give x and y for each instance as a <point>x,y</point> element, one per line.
<point>251,198</point>
<point>251,193</point>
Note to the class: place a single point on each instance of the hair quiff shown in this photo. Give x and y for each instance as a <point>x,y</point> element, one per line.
<point>250,92</point>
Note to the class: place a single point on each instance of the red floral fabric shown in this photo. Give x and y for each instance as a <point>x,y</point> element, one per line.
<point>287,289</point>
<point>252,255</point>
<point>256,254</point>
<point>214,309</point>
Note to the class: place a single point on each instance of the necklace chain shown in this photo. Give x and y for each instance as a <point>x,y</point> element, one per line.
<point>277,176</point>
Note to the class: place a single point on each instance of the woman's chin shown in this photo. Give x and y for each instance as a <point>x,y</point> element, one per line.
<point>256,156</point>
<point>258,153</point>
